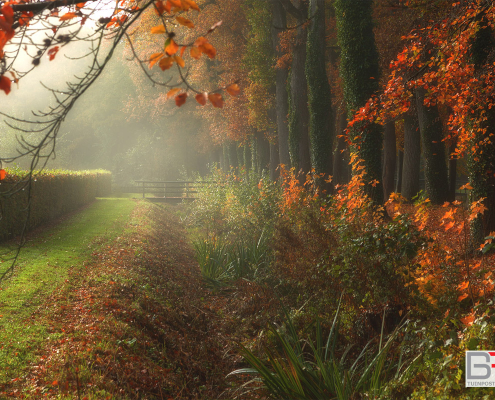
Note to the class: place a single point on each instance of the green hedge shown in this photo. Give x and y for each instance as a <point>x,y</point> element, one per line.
<point>53,194</point>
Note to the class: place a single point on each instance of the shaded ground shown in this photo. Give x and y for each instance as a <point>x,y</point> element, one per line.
<point>137,322</point>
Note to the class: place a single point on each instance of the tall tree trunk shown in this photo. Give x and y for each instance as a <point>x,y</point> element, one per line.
<point>400,163</point>
<point>299,114</point>
<point>412,154</point>
<point>360,71</point>
<point>341,154</point>
<point>452,171</point>
<point>263,152</point>
<point>281,75</point>
<point>321,128</point>
<point>430,125</point>
<point>481,162</point>
<point>233,162</point>
<point>247,157</point>
<point>225,157</point>
<point>389,159</point>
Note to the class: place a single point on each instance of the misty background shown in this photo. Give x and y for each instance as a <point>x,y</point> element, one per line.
<point>121,123</point>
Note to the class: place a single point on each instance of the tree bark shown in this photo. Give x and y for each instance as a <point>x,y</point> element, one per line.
<point>299,114</point>
<point>359,70</point>
<point>452,171</point>
<point>321,131</point>
<point>389,159</point>
<point>412,154</point>
<point>341,154</point>
<point>400,162</point>
<point>430,125</point>
<point>281,75</point>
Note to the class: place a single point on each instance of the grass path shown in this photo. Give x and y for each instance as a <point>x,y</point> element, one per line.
<point>112,306</point>
<point>44,266</point>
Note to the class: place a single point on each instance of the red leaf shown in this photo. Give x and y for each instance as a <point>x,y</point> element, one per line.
<point>216,99</point>
<point>3,174</point>
<point>180,99</point>
<point>201,98</point>
<point>233,89</point>
<point>68,16</point>
<point>5,84</point>
<point>53,52</point>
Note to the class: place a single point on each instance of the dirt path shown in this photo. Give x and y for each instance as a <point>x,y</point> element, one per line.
<point>134,323</point>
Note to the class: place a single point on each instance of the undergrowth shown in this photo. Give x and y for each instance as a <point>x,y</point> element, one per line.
<point>407,266</point>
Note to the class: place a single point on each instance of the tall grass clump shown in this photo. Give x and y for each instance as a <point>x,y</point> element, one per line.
<point>301,368</point>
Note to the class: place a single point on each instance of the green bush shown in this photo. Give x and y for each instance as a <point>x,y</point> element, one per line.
<point>49,194</point>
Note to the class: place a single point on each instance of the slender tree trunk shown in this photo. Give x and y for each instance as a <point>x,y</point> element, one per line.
<point>321,131</point>
<point>452,171</point>
<point>412,154</point>
<point>341,154</point>
<point>400,162</point>
<point>274,161</point>
<point>233,161</point>
<point>430,125</point>
<point>281,75</point>
<point>263,151</point>
<point>225,157</point>
<point>299,114</point>
<point>247,157</point>
<point>389,159</point>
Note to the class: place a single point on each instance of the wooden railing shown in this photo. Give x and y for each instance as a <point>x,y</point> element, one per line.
<point>169,189</point>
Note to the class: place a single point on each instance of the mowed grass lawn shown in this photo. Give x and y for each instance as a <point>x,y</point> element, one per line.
<point>43,268</point>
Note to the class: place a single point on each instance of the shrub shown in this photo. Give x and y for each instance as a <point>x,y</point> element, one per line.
<point>48,195</point>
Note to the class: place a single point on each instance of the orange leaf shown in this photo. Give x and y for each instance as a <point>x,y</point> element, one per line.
<point>52,52</point>
<point>233,89</point>
<point>171,48</point>
<point>185,22</point>
<point>179,61</point>
<point>68,16</point>
<point>154,58</point>
<point>172,92</point>
<point>449,225</point>
<point>176,3</point>
<point>3,174</point>
<point>161,7</point>
<point>201,98</point>
<point>158,29</point>
<point>190,3</point>
<point>216,99</point>
<point>200,41</point>
<point>166,63</point>
<point>466,186</point>
<point>54,383</point>
<point>5,84</point>
<point>462,297</point>
<point>468,320</point>
<point>180,99</point>
<point>195,53</point>
<point>208,49</point>
<point>80,5</point>
<point>463,285</point>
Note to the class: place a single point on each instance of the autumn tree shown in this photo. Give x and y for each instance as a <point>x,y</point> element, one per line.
<point>360,74</point>
<point>298,89</point>
<point>321,128</point>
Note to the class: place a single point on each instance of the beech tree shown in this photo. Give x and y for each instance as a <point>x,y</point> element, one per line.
<point>321,129</point>
<point>360,74</point>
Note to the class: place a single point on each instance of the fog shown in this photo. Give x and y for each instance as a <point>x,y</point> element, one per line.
<point>115,125</point>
